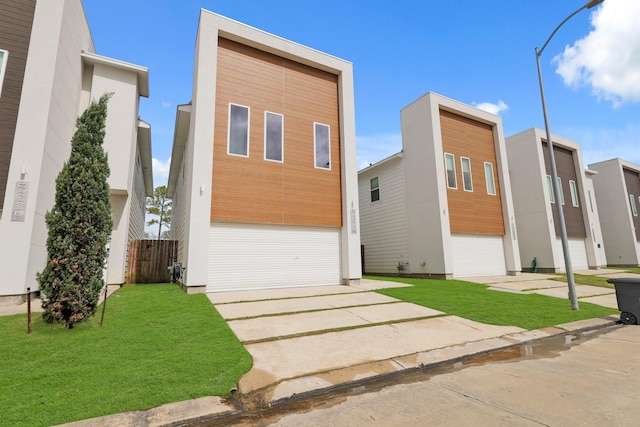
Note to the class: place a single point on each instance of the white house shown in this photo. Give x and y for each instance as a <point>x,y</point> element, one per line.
<point>263,167</point>
<point>49,74</point>
<point>534,202</point>
<point>442,207</point>
<point>617,191</point>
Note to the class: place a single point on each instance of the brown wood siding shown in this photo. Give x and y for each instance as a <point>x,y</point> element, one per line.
<point>566,169</point>
<point>474,212</point>
<point>16,19</point>
<point>255,190</point>
<point>632,181</point>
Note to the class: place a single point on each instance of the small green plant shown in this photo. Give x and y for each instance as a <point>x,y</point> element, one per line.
<point>79,225</point>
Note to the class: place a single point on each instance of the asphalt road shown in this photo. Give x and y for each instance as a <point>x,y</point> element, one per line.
<point>594,382</point>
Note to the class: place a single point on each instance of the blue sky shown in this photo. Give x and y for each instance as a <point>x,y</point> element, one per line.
<point>477,52</point>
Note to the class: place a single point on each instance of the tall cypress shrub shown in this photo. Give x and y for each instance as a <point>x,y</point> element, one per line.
<point>79,225</point>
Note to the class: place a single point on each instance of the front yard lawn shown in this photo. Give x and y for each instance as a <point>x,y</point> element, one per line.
<point>476,302</point>
<point>158,345</point>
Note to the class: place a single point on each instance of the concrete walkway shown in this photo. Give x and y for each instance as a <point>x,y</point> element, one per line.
<point>308,339</point>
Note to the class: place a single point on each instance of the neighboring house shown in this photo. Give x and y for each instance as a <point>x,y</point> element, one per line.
<point>49,74</point>
<point>263,169</point>
<point>617,191</point>
<point>534,201</point>
<point>442,207</point>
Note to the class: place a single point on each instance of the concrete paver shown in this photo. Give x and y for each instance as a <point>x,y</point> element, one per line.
<point>608,300</point>
<point>530,285</point>
<point>581,291</point>
<point>621,275</point>
<point>524,277</point>
<point>261,328</point>
<point>598,272</point>
<point>293,305</point>
<point>275,361</point>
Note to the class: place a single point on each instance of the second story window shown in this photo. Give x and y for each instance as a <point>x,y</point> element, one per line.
<point>4,55</point>
<point>450,165</point>
<point>488,174</point>
<point>238,139</point>
<point>574,193</point>
<point>375,189</point>
<point>322,146</point>
<point>467,182</point>
<point>273,127</point>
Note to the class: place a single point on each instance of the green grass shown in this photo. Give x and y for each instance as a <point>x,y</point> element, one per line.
<point>634,270</point>
<point>476,302</point>
<point>158,345</point>
<point>586,279</point>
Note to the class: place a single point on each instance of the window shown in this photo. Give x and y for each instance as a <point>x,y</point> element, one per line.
<point>574,193</point>
<point>634,210</point>
<point>590,201</point>
<point>322,146</point>
<point>552,196</point>
<point>273,147</point>
<point>467,184</point>
<point>375,189</point>
<point>4,55</point>
<point>450,164</point>
<point>560,191</point>
<point>238,143</point>
<point>488,175</point>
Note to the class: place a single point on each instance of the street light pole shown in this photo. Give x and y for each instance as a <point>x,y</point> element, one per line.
<point>552,163</point>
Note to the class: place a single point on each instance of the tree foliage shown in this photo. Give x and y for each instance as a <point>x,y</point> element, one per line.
<point>79,225</point>
<point>159,206</point>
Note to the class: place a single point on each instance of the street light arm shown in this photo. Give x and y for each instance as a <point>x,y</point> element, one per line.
<point>588,5</point>
<point>539,51</point>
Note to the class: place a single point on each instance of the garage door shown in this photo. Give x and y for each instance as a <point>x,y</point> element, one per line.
<point>252,256</point>
<point>477,255</point>
<point>577,253</point>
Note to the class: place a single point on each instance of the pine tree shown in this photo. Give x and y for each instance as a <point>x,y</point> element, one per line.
<point>159,205</point>
<point>79,225</point>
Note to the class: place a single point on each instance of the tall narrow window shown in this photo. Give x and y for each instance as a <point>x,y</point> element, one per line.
<point>467,183</point>
<point>450,164</point>
<point>590,201</point>
<point>552,196</point>
<point>561,195</point>
<point>4,55</point>
<point>488,175</point>
<point>238,143</point>
<point>634,209</point>
<point>321,142</point>
<point>273,132</point>
<point>375,189</point>
<point>574,193</point>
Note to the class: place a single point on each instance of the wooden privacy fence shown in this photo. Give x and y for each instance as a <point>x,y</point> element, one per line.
<point>149,259</point>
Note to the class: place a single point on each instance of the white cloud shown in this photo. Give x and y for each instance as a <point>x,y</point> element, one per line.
<point>160,171</point>
<point>165,104</point>
<point>372,149</point>
<point>608,58</point>
<point>492,108</point>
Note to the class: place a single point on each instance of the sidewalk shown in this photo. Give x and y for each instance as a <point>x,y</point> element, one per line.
<point>308,340</point>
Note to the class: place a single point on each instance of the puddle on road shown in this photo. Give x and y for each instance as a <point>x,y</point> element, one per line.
<point>255,412</point>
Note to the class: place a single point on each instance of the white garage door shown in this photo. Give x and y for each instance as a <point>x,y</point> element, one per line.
<point>477,255</point>
<point>577,253</point>
<point>252,256</point>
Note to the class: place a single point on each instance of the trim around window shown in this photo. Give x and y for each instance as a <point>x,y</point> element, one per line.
<point>634,209</point>
<point>467,181</point>
<point>322,146</point>
<point>374,185</point>
<point>450,169</point>
<point>4,56</point>
<point>273,137</point>
<point>488,175</point>
<point>238,130</point>
<point>574,193</point>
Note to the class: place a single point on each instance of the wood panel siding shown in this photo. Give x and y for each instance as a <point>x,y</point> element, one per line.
<point>632,181</point>
<point>251,189</point>
<point>16,19</point>
<point>566,169</point>
<point>472,212</point>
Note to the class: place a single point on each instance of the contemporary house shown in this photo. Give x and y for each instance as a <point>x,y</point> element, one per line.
<point>617,190</point>
<point>534,201</point>
<point>442,207</point>
<point>263,168</point>
<point>49,74</point>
